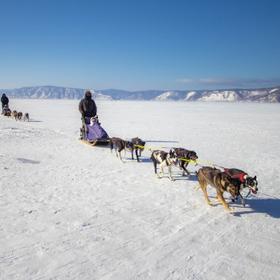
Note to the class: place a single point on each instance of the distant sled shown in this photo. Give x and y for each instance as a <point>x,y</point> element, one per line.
<point>95,135</point>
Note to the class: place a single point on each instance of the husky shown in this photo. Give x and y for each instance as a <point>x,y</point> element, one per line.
<point>184,157</point>
<point>119,145</point>
<point>244,181</point>
<point>93,120</point>
<point>15,114</point>
<point>26,117</point>
<point>19,115</point>
<point>221,181</point>
<point>163,159</point>
<point>138,147</point>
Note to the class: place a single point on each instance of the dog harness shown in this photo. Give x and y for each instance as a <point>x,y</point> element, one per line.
<point>241,176</point>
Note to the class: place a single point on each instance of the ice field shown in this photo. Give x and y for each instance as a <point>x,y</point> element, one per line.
<point>70,211</point>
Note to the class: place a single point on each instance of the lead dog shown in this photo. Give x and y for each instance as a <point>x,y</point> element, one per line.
<point>138,147</point>
<point>184,157</point>
<point>221,181</point>
<point>119,145</point>
<point>243,180</point>
<point>163,159</point>
<point>26,117</point>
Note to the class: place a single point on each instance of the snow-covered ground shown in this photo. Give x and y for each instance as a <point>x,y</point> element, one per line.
<point>69,211</point>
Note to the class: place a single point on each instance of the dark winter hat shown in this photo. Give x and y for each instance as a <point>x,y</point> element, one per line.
<point>88,93</point>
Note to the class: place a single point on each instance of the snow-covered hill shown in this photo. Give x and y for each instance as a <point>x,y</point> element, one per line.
<point>220,96</point>
<point>269,95</point>
<point>52,92</point>
<point>170,95</point>
<point>70,211</point>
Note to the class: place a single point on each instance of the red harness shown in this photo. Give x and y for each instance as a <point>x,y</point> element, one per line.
<point>240,176</point>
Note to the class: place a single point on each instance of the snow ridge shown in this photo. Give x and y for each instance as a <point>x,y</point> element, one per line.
<point>269,95</point>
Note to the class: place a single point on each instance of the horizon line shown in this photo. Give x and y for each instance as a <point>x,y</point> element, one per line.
<point>104,89</point>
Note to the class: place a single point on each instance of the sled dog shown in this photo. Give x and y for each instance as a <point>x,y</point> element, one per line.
<point>220,181</point>
<point>184,157</point>
<point>19,116</point>
<point>119,145</point>
<point>26,117</point>
<point>138,147</point>
<point>163,159</point>
<point>244,181</point>
<point>15,114</point>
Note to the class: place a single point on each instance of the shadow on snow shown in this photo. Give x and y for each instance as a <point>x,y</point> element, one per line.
<point>268,206</point>
<point>161,141</point>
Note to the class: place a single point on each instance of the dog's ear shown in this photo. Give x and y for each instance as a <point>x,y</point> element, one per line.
<point>255,178</point>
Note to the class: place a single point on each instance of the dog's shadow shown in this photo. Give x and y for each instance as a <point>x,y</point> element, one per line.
<point>35,121</point>
<point>161,141</point>
<point>191,177</point>
<point>179,177</point>
<point>145,160</point>
<point>268,206</point>
<point>142,160</point>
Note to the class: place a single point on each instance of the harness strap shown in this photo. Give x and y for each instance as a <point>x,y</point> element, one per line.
<point>240,176</point>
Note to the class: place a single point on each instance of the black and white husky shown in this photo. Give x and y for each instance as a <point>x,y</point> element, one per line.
<point>163,159</point>
<point>184,158</point>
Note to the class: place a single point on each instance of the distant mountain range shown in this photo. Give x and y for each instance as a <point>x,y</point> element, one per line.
<point>270,95</point>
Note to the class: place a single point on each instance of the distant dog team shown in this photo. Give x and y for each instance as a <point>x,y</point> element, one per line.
<point>18,116</point>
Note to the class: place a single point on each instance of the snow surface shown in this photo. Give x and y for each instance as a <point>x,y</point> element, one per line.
<point>70,211</point>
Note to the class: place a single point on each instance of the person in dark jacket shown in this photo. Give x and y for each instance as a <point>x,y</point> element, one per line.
<point>4,100</point>
<point>87,108</point>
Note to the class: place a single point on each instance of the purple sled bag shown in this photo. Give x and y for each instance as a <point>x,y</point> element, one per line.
<point>96,132</point>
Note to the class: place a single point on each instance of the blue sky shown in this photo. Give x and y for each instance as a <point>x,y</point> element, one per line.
<point>137,45</point>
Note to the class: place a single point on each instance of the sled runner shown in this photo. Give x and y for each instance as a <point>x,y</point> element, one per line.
<point>92,133</point>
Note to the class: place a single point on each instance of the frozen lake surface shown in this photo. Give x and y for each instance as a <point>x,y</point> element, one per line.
<point>69,211</point>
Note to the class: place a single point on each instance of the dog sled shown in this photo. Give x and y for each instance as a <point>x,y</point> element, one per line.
<point>6,111</point>
<point>92,133</point>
